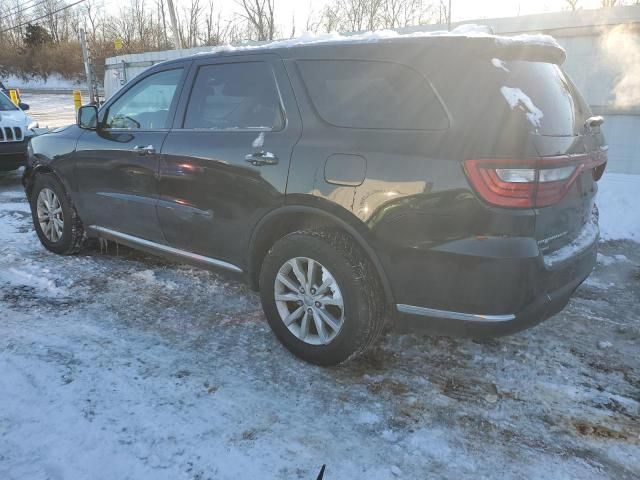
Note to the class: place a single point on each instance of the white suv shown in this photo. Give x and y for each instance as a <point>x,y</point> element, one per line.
<point>16,127</point>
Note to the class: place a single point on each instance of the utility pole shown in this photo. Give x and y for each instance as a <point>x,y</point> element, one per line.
<point>449,17</point>
<point>87,66</point>
<point>174,25</point>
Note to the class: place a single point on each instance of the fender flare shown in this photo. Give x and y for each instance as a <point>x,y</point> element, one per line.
<point>334,218</point>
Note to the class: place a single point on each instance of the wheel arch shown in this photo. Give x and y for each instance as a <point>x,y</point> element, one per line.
<point>43,168</point>
<point>290,218</point>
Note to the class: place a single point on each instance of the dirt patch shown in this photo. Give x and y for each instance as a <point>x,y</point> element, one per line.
<point>23,296</point>
<point>596,431</point>
<point>389,385</point>
<point>466,389</point>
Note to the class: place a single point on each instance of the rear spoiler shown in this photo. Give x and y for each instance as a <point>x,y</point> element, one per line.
<point>534,48</point>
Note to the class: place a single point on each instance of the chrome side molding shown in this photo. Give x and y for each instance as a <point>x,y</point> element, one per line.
<point>165,248</point>
<point>465,317</point>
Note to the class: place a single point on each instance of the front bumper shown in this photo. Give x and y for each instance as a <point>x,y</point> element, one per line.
<point>13,154</point>
<point>549,289</point>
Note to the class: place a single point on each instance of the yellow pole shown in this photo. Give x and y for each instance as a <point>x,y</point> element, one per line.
<point>77,99</point>
<point>14,96</point>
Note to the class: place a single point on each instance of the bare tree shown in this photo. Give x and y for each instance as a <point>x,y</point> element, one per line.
<point>404,13</point>
<point>163,18</point>
<point>359,14</point>
<point>573,4</point>
<point>331,20</point>
<point>190,24</point>
<point>259,14</point>
<point>93,13</point>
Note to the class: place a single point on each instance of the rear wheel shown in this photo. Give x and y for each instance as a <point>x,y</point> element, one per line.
<point>321,296</point>
<point>54,217</point>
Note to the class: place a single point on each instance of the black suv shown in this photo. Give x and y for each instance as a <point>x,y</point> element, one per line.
<point>443,182</point>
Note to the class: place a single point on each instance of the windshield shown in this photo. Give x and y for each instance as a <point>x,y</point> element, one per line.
<point>6,105</point>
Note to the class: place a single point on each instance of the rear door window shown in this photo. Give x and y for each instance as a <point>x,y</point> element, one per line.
<point>234,96</point>
<point>373,95</point>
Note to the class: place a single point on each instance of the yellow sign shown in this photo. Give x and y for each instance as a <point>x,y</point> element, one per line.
<point>77,99</point>
<point>14,96</point>
<point>117,43</point>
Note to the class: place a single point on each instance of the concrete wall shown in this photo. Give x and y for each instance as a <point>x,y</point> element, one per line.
<point>603,59</point>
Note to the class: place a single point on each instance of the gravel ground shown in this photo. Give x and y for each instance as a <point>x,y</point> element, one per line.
<point>118,365</point>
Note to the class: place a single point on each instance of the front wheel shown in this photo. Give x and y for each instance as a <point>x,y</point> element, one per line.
<point>321,295</point>
<point>54,217</point>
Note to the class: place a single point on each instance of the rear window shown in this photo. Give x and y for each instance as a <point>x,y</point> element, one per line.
<point>542,92</point>
<point>372,95</point>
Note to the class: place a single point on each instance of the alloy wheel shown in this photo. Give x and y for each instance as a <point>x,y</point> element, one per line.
<point>309,301</point>
<point>50,218</point>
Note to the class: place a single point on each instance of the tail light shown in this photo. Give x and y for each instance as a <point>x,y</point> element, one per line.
<point>530,183</point>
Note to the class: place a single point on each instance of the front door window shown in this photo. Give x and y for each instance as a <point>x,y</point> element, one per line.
<point>147,104</point>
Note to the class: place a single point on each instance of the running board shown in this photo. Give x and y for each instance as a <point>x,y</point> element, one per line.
<point>141,242</point>
<point>465,317</point>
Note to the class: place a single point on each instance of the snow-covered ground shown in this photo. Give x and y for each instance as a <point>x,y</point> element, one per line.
<point>116,365</point>
<point>51,109</point>
<point>53,82</point>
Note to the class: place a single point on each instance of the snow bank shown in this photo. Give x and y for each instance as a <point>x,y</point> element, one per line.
<point>619,203</point>
<point>53,82</point>
<point>469,31</point>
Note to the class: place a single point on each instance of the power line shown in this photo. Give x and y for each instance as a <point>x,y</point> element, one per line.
<point>33,20</point>
<point>17,9</point>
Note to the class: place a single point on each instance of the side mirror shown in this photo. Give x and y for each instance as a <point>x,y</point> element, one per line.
<point>88,117</point>
<point>23,106</point>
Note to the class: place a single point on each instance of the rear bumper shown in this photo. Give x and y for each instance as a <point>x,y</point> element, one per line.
<point>546,291</point>
<point>13,155</point>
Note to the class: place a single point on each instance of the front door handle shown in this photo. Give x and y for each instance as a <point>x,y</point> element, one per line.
<point>259,159</point>
<point>142,150</point>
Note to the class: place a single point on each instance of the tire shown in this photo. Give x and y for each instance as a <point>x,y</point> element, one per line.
<point>70,240</point>
<point>334,255</point>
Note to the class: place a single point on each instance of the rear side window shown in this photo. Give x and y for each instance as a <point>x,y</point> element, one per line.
<point>372,94</point>
<point>234,96</point>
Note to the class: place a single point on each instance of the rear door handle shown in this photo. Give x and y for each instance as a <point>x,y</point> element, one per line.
<point>142,150</point>
<point>259,159</point>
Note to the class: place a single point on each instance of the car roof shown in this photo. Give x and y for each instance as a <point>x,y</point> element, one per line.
<point>337,45</point>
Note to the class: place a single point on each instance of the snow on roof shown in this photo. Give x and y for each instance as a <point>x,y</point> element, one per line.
<point>467,31</point>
